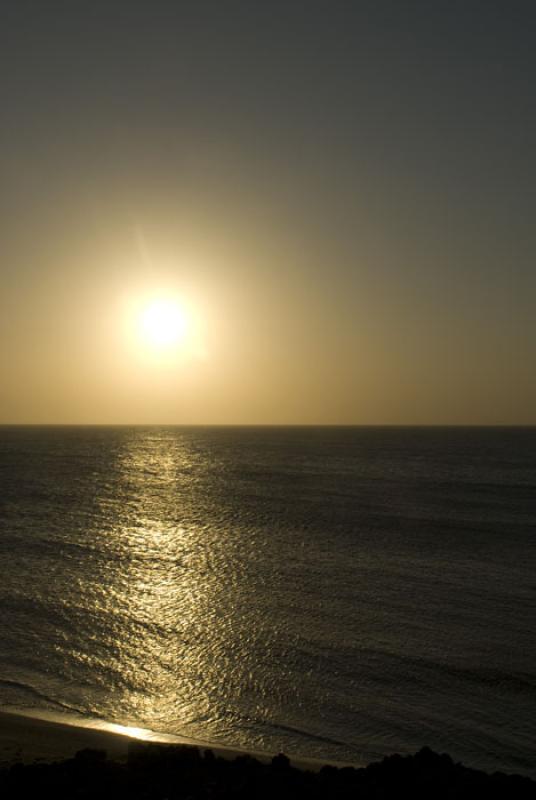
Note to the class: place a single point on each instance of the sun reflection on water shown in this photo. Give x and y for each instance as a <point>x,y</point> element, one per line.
<point>163,589</point>
<point>128,730</point>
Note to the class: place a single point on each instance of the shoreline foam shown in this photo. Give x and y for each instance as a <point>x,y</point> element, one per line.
<point>29,736</point>
<point>62,760</point>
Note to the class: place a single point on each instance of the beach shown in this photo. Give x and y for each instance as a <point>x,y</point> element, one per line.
<point>28,739</point>
<point>40,756</point>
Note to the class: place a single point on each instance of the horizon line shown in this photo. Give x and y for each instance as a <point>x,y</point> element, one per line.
<point>267,425</point>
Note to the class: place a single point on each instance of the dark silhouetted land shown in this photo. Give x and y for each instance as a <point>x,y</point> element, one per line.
<point>152,771</point>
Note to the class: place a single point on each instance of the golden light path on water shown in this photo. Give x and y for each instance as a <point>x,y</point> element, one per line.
<point>160,592</point>
<point>175,592</point>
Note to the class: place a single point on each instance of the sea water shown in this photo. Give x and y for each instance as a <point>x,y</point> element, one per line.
<point>336,593</point>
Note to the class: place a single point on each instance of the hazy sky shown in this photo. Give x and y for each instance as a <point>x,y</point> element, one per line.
<point>340,194</point>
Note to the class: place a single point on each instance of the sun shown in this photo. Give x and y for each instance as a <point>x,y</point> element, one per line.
<point>163,323</point>
<point>163,329</point>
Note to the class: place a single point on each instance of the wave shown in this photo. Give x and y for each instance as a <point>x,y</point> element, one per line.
<point>36,694</point>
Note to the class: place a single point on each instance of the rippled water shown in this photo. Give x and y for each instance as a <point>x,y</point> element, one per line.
<point>335,593</point>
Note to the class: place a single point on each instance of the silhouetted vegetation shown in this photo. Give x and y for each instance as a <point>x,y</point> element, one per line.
<point>155,772</point>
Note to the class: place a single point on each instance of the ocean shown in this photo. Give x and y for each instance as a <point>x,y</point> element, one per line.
<point>333,593</point>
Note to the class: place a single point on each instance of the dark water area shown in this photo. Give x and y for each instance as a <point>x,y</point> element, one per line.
<point>337,593</point>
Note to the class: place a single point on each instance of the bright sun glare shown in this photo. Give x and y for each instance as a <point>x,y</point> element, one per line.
<point>164,329</point>
<point>163,323</point>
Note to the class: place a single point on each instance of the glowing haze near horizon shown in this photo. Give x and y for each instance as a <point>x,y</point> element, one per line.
<point>337,197</point>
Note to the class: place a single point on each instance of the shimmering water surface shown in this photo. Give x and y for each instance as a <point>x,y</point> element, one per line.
<point>339,593</point>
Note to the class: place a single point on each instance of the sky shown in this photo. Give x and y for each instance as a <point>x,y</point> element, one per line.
<point>336,198</point>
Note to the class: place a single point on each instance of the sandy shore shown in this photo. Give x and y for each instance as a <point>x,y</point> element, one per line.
<point>45,747</point>
<point>28,739</point>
